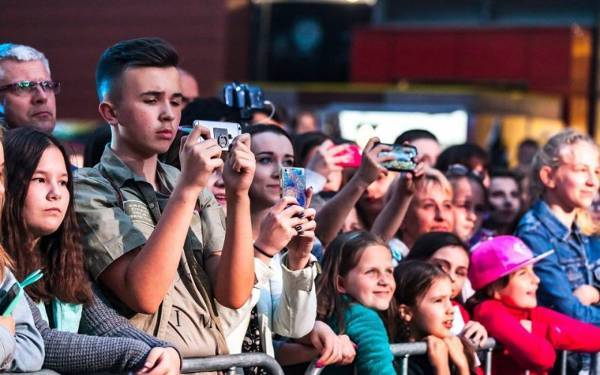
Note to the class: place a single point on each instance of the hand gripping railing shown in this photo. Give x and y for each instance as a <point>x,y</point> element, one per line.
<point>406,350</point>
<point>229,362</point>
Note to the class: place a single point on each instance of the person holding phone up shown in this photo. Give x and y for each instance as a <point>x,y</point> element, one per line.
<point>283,233</point>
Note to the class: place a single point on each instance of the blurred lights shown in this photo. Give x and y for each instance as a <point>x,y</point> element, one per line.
<point>350,2</point>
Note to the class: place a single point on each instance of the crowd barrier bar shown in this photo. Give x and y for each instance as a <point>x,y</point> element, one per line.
<point>406,350</point>
<point>230,362</point>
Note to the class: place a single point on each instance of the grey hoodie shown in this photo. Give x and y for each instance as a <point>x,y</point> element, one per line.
<point>23,351</point>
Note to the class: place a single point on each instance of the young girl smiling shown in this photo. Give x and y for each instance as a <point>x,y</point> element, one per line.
<point>355,286</point>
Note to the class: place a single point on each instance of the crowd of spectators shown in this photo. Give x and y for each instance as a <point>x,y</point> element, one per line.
<point>165,246</point>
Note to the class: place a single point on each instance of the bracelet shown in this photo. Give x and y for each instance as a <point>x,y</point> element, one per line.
<point>262,251</point>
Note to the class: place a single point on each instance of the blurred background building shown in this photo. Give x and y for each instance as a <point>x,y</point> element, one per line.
<point>490,71</point>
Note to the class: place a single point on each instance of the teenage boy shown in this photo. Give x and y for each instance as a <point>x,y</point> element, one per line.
<point>155,237</point>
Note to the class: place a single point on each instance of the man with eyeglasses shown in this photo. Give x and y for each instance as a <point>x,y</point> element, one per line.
<point>27,93</point>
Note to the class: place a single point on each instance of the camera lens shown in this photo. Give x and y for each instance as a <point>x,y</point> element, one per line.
<point>222,141</point>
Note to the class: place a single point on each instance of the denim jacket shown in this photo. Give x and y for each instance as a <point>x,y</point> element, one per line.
<point>572,264</point>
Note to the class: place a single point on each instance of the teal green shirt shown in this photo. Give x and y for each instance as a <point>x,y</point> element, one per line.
<point>365,329</point>
<point>67,316</point>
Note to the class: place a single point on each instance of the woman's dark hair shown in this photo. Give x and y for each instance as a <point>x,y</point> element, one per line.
<point>258,129</point>
<point>59,254</point>
<point>426,245</point>
<point>304,143</point>
<point>486,293</point>
<point>465,154</point>
<point>341,256</point>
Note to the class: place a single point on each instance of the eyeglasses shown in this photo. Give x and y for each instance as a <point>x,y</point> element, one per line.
<point>459,170</point>
<point>30,87</point>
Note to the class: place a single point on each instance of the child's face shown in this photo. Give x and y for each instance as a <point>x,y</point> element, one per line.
<point>455,262</point>
<point>504,199</point>
<point>371,282</point>
<point>521,289</point>
<point>148,109</point>
<point>468,207</point>
<point>433,314</point>
<point>48,195</point>
<point>272,151</point>
<point>574,182</point>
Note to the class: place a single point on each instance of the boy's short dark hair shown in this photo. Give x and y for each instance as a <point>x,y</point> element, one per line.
<point>132,53</point>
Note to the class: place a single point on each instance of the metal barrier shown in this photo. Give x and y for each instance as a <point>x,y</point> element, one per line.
<point>405,350</point>
<point>230,362</point>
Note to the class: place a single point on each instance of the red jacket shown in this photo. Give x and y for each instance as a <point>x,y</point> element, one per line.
<point>536,351</point>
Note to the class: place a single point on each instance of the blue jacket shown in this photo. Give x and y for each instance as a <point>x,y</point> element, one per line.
<point>572,264</point>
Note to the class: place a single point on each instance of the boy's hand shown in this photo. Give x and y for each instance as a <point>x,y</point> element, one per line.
<point>199,157</point>
<point>8,322</point>
<point>238,172</point>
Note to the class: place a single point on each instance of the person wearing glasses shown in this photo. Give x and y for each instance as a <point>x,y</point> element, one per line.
<point>27,91</point>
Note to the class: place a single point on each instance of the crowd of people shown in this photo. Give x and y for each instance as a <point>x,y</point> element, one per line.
<point>166,247</point>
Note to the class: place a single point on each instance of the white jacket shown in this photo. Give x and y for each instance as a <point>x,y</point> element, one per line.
<point>286,303</point>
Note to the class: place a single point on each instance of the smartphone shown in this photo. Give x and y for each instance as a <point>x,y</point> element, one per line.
<point>353,154</point>
<point>8,299</point>
<point>223,132</point>
<point>404,158</point>
<point>293,184</point>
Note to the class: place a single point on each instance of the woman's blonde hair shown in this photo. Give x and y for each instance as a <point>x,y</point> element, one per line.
<point>549,155</point>
<point>434,178</point>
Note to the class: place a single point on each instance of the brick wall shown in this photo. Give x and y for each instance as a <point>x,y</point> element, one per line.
<point>73,34</point>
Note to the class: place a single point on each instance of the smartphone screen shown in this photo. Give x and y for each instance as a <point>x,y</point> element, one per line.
<point>404,158</point>
<point>293,184</point>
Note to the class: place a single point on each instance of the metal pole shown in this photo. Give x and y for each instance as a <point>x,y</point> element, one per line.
<point>225,362</point>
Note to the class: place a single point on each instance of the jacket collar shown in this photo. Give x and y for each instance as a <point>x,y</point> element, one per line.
<point>120,173</point>
<point>550,221</point>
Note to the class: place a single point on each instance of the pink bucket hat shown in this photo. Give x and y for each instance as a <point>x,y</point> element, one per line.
<point>497,257</point>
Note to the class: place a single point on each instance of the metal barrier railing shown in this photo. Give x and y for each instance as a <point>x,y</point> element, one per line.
<point>406,350</point>
<point>230,362</point>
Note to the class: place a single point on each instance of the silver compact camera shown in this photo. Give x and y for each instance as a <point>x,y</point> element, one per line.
<point>223,132</point>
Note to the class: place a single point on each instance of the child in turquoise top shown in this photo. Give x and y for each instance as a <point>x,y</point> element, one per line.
<point>356,285</point>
